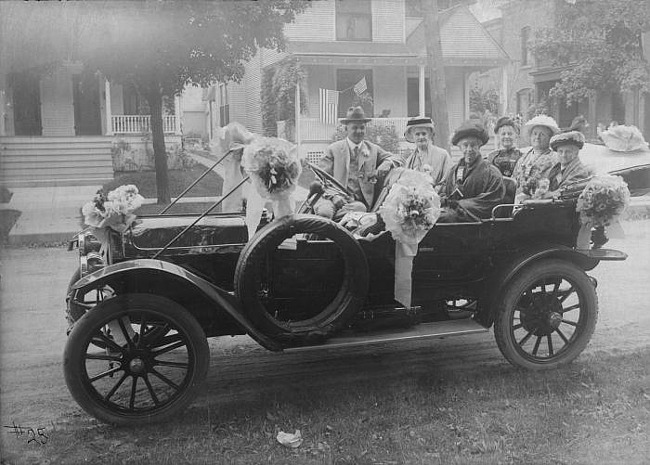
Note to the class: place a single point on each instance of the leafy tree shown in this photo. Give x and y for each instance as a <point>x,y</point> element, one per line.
<point>600,43</point>
<point>157,46</point>
<point>278,94</point>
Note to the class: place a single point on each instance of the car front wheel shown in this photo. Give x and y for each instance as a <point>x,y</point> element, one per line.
<point>135,359</point>
<point>546,315</point>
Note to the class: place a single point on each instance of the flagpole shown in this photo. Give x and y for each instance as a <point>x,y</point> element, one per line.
<point>297,110</point>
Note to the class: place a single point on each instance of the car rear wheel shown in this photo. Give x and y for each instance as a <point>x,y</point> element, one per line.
<point>135,359</point>
<point>546,315</point>
<point>301,278</point>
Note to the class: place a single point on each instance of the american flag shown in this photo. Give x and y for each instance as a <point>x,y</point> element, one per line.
<point>329,105</point>
<point>360,87</point>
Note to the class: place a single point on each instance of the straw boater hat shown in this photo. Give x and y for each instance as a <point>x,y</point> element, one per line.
<point>355,115</point>
<point>505,121</point>
<point>418,122</point>
<point>541,120</point>
<point>567,138</point>
<point>468,129</point>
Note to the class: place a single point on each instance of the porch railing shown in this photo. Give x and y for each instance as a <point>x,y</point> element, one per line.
<point>140,124</point>
<point>313,129</point>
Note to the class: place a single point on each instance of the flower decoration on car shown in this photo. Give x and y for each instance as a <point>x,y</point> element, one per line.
<point>273,166</point>
<point>411,208</point>
<point>603,200</point>
<point>113,210</point>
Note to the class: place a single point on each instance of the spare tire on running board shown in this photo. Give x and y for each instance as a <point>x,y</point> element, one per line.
<point>301,278</point>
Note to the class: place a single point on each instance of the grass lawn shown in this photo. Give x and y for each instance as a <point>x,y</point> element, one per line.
<point>593,411</point>
<point>179,180</point>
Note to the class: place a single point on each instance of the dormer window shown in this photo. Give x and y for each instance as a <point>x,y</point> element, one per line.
<point>353,20</point>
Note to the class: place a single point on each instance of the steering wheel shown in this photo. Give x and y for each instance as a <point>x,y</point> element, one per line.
<point>329,181</point>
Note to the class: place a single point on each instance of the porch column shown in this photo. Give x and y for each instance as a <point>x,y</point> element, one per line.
<point>421,92</point>
<point>177,115</point>
<point>109,114</point>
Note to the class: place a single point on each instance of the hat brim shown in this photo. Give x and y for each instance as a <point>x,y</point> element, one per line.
<point>462,134</point>
<point>346,120</point>
<point>529,127</point>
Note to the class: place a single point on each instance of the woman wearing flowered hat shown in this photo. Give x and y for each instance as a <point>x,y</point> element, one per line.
<point>506,156</point>
<point>535,165</point>
<point>569,169</point>
<point>428,158</point>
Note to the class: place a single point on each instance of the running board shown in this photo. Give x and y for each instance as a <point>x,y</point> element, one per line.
<point>437,329</point>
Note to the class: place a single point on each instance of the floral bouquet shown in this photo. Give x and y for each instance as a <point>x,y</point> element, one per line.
<point>274,168</point>
<point>411,208</point>
<point>114,210</point>
<point>603,200</point>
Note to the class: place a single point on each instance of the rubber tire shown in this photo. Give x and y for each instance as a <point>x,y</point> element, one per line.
<point>512,293</point>
<point>73,358</point>
<point>337,314</point>
<point>73,313</point>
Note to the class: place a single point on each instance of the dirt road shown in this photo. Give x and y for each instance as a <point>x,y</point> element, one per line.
<point>32,337</point>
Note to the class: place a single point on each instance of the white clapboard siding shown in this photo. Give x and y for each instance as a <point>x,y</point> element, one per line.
<point>316,24</point>
<point>43,161</point>
<point>388,21</point>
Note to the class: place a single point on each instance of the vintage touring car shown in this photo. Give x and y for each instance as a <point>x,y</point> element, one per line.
<point>141,310</point>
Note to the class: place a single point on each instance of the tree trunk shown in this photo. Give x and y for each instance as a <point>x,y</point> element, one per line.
<point>154,98</point>
<point>436,67</point>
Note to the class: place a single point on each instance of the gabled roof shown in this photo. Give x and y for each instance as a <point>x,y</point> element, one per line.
<point>465,42</point>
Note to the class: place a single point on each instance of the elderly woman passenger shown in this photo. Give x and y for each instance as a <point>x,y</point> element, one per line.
<point>569,169</point>
<point>532,170</point>
<point>426,157</point>
<point>506,156</point>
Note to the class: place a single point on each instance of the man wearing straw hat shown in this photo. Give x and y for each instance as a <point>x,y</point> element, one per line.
<point>357,163</point>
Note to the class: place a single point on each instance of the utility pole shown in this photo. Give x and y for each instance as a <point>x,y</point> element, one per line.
<point>436,67</point>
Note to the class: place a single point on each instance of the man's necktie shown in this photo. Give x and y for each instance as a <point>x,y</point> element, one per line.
<point>356,152</point>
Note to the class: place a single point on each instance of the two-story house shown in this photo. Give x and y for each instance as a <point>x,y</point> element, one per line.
<point>526,80</point>
<point>337,43</point>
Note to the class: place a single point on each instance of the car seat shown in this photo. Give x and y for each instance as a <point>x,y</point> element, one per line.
<point>508,198</point>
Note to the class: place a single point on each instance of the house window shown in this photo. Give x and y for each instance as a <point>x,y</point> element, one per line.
<point>526,56</point>
<point>133,102</point>
<point>224,107</point>
<point>524,100</point>
<point>353,20</point>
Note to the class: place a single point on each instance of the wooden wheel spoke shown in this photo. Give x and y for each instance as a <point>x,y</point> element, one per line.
<point>537,342</point>
<point>152,393</point>
<point>133,391</point>
<point>105,374</point>
<point>572,307</point>
<point>109,343</point>
<point>143,328</point>
<point>550,345</point>
<point>159,333</point>
<point>165,379</point>
<point>561,334</point>
<point>116,387</point>
<point>169,348</point>
<point>525,338</point>
<point>517,326</point>
<point>125,333</point>
<point>165,341</point>
<point>570,323</point>
<point>164,363</point>
<point>104,356</point>
<point>566,293</point>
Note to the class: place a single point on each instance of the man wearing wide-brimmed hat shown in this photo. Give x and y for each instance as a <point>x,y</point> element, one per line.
<point>428,158</point>
<point>473,187</point>
<point>357,163</point>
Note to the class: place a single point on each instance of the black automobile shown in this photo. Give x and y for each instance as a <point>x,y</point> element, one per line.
<point>141,309</point>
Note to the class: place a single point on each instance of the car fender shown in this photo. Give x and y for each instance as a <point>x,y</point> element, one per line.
<point>507,270</point>
<point>143,267</point>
